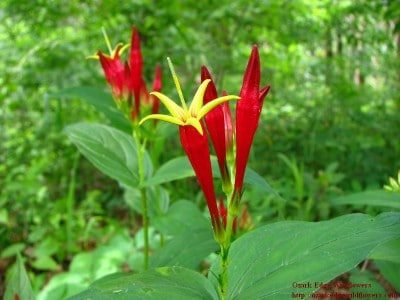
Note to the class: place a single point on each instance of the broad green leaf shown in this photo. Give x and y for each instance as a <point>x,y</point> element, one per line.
<point>179,168</point>
<point>102,101</point>
<point>379,198</point>
<point>112,151</point>
<point>182,215</point>
<point>391,272</point>
<point>19,284</point>
<point>264,263</point>
<point>186,250</point>
<point>389,251</point>
<point>159,284</point>
<point>192,237</point>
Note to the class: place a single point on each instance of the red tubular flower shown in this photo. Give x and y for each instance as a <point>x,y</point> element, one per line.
<point>157,85</point>
<point>248,112</point>
<point>136,67</point>
<point>194,139</point>
<point>215,121</point>
<point>114,72</point>
<point>196,149</point>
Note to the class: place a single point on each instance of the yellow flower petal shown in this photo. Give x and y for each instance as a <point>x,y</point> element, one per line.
<point>195,123</point>
<point>197,102</point>
<point>174,109</point>
<point>214,103</point>
<point>161,117</point>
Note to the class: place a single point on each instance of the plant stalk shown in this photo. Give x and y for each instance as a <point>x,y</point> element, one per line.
<point>225,246</point>
<point>143,196</point>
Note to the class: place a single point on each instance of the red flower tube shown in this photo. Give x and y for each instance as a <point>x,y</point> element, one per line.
<point>215,121</point>
<point>248,112</point>
<point>196,149</point>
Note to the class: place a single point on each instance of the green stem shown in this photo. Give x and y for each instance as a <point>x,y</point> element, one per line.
<point>70,202</point>
<point>225,246</point>
<point>145,228</point>
<point>143,196</point>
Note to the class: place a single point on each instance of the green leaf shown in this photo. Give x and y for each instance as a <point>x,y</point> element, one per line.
<point>182,215</point>
<point>389,251</point>
<point>373,198</point>
<point>162,283</point>
<point>192,239</point>
<point>391,272</point>
<point>265,262</point>
<point>12,250</point>
<point>102,101</point>
<point>45,263</point>
<point>179,168</point>
<point>112,151</point>
<point>186,250</point>
<point>19,284</point>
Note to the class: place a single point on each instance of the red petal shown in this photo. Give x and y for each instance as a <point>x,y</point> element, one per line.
<point>196,148</point>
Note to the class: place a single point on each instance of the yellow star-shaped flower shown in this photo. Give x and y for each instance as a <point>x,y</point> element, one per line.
<point>182,115</point>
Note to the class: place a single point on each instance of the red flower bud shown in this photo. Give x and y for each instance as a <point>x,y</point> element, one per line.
<point>248,112</point>
<point>136,66</point>
<point>215,121</point>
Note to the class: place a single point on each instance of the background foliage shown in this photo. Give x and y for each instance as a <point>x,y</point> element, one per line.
<point>330,125</point>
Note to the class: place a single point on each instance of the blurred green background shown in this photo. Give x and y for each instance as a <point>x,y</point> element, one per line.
<point>330,125</point>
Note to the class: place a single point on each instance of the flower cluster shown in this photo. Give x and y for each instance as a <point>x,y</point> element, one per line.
<point>126,79</point>
<point>210,115</point>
